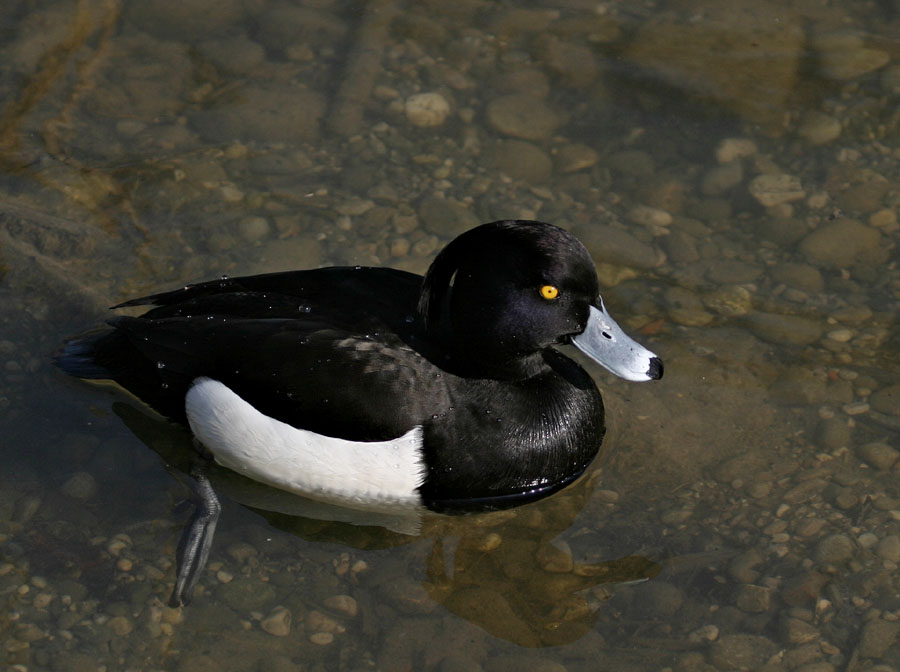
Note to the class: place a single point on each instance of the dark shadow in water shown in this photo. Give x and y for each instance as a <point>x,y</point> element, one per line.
<point>499,571</point>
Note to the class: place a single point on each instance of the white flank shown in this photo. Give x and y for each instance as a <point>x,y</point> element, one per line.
<point>376,475</point>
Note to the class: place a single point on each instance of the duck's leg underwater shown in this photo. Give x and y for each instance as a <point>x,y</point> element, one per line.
<point>193,549</point>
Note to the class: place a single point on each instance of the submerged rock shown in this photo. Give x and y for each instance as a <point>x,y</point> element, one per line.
<point>523,116</point>
<point>263,114</point>
<point>843,243</point>
<point>713,59</point>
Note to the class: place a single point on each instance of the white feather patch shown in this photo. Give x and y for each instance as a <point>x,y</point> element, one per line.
<point>377,475</point>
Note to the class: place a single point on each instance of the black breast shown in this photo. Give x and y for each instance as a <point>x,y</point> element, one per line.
<point>501,444</point>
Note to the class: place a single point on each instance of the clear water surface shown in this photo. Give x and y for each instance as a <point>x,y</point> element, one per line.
<point>734,168</point>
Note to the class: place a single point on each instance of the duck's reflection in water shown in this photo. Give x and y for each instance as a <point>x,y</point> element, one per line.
<point>500,571</point>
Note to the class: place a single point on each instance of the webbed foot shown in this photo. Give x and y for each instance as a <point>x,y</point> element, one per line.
<point>196,541</point>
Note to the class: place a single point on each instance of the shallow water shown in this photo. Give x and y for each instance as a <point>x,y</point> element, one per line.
<point>735,171</point>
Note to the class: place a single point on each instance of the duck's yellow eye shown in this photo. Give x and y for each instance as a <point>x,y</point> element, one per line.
<point>549,292</point>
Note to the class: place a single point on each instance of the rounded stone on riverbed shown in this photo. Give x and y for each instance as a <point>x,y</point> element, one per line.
<point>522,116</point>
<point>613,245</point>
<point>877,637</point>
<point>520,160</point>
<point>741,652</point>
<point>731,149</point>
<point>754,599</point>
<point>843,55</point>
<point>878,455</point>
<point>788,329</point>
<point>720,179</point>
<point>344,604</point>
<point>649,217</point>
<point>835,549</point>
<point>886,400</point>
<point>796,631</point>
<point>253,229</point>
<point>776,188</point>
<point>843,243</point>
<point>80,485</point>
<point>120,625</point>
<point>574,157</point>
<point>818,128</point>
<point>731,300</point>
<point>888,548</point>
<point>278,622</point>
<point>426,109</point>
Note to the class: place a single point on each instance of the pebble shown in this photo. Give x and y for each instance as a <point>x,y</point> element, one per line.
<point>843,55</point>
<point>120,625</point>
<point>445,217</point>
<point>342,603</point>
<point>278,622</point>
<point>321,638</point>
<point>755,599</point>
<point>252,229</point>
<point>818,128</point>
<point>840,335</point>
<point>787,329</point>
<point>241,552</point>
<point>426,109</point>
<point>741,652</point>
<point>705,633</point>
<point>731,301</point>
<point>732,272</point>
<point>885,219</point>
<point>721,178</point>
<point>613,245</point>
<point>523,116</point>
<point>520,160</point>
<point>246,595</point>
<point>877,637</point>
<point>574,157</point>
<point>796,631</point>
<point>776,188</point>
<point>685,308</point>
<point>886,400</point>
<point>842,243</point>
<point>316,621</point>
<point>867,540</point>
<point>574,63</point>
<point>835,549</point>
<point>632,163</point>
<point>878,455</point>
<point>889,548</point>
<point>658,599</point>
<point>649,217</point>
<point>118,544</point>
<point>80,485</point>
<point>731,149</point>
<point>855,408</point>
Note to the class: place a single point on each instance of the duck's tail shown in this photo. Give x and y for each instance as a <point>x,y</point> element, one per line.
<point>79,356</point>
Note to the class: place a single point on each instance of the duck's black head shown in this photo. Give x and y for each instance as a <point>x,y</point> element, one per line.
<point>504,291</point>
